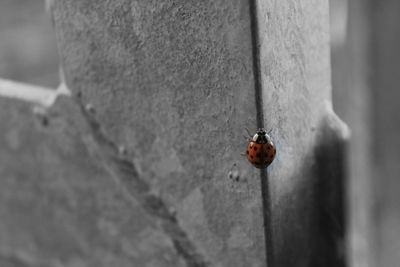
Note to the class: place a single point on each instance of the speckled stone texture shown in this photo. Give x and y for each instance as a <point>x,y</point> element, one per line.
<point>172,82</point>
<point>307,175</point>
<point>152,173</point>
<point>59,203</point>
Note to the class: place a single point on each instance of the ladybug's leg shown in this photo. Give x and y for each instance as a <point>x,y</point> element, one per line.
<point>248,132</point>
<point>248,139</point>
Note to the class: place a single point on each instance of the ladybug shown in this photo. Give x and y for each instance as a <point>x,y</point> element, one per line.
<point>260,150</point>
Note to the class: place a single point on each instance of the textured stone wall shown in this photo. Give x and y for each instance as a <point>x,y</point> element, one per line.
<point>172,83</point>
<point>306,183</point>
<point>61,205</point>
<point>142,165</point>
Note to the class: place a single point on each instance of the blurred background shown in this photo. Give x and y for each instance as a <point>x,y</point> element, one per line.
<point>28,50</point>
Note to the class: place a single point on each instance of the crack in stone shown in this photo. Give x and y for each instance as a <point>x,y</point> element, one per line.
<point>126,174</point>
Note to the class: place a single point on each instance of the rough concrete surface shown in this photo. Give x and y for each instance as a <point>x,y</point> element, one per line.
<point>172,82</point>
<point>144,167</point>
<point>60,205</point>
<point>306,191</point>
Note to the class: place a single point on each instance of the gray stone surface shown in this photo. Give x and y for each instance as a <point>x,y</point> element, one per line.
<point>172,83</point>
<point>168,89</point>
<point>306,190</point>
<point>60,202</point>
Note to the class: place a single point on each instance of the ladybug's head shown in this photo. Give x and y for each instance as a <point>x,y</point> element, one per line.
<point>261,136</point>
<point>261,131</point>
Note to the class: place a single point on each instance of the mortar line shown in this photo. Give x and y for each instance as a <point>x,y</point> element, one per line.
<point>265,188</point>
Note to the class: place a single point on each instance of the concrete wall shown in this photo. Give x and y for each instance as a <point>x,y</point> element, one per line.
<point>142,165</point>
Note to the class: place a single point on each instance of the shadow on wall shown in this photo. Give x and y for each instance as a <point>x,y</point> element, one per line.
<point>319,194</point>
<point>330,155</point>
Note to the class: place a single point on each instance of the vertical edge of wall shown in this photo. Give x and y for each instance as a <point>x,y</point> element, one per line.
<point>264,180</point>
<point>172,83</point>
<point>308,173</point>
<point>362,248</point>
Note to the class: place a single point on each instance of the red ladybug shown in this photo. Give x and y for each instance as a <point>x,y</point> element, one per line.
<point>260,150</point>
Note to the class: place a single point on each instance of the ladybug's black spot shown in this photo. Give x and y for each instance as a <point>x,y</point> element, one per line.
<point>271,156</point>
<point>251,156</point>
<point>255,148</point>
<point>247,152</point>
<point>268,147</point>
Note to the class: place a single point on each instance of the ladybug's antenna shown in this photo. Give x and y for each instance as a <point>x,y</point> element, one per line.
<point>269,131</point>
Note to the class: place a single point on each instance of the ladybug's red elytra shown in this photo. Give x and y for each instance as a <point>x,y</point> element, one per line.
<point>260,150</point>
